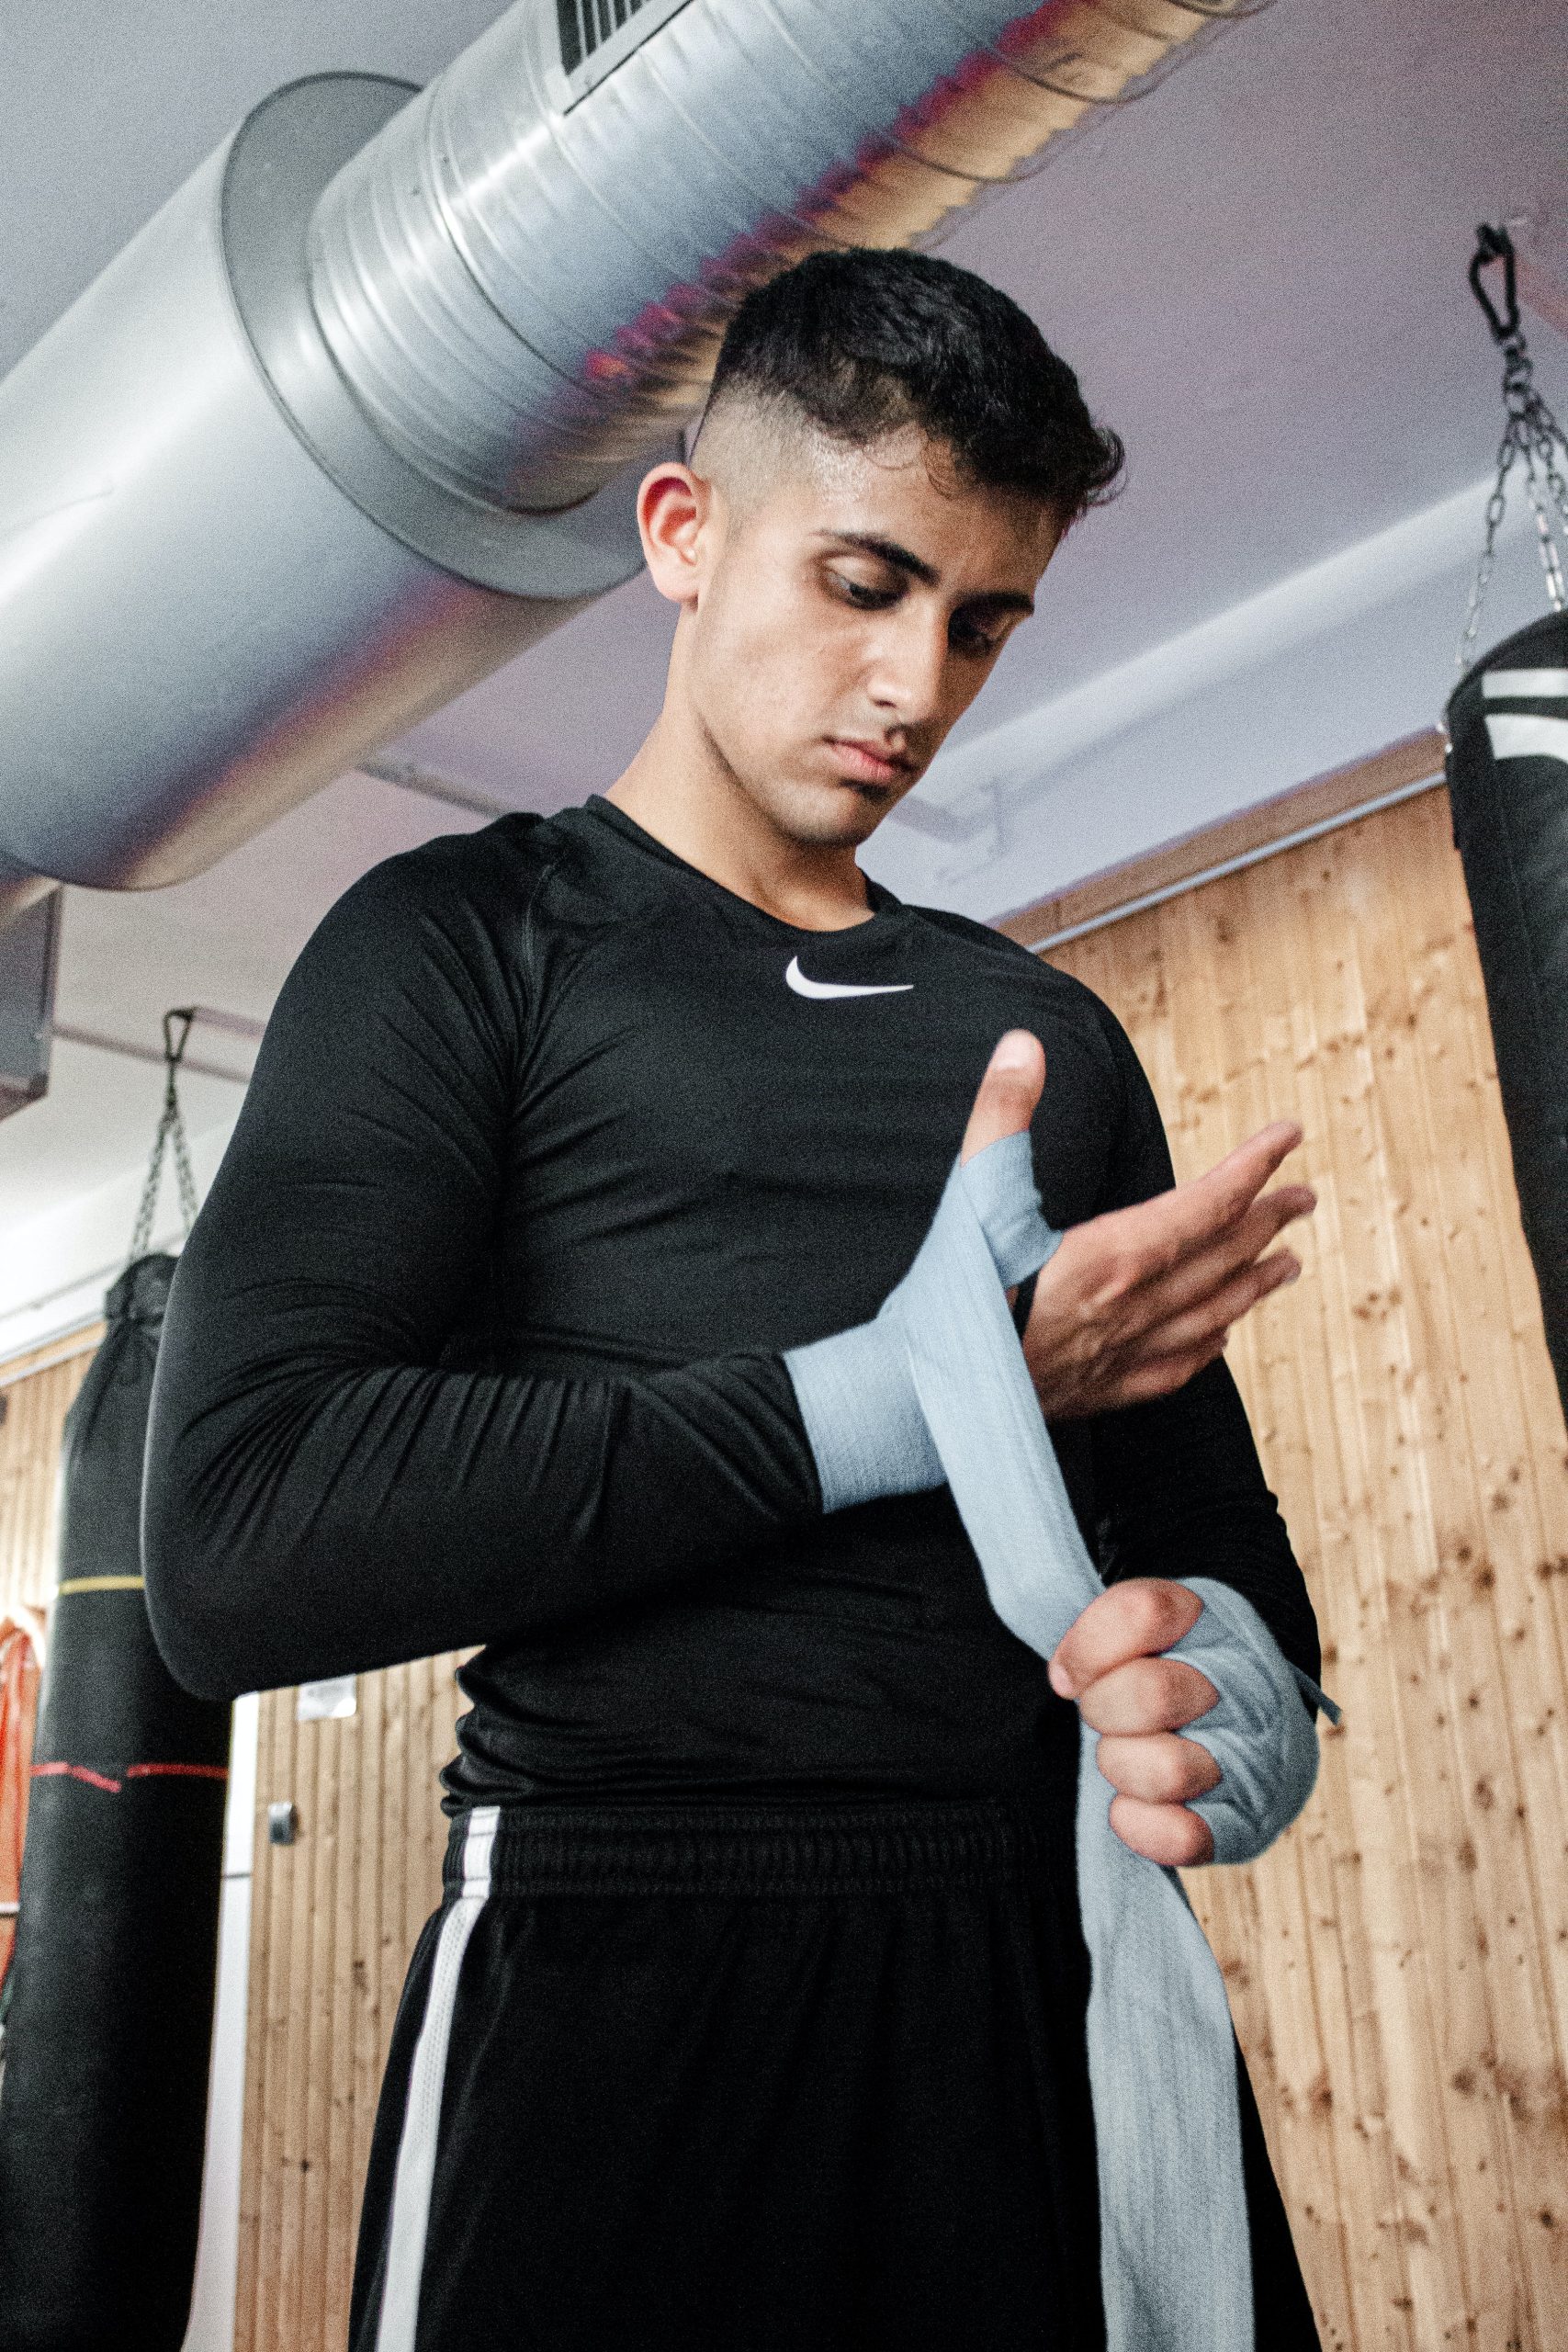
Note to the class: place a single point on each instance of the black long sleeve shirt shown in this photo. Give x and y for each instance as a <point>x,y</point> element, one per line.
<point>546,1159</point>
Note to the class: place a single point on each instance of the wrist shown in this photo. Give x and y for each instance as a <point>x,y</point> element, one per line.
<point>856,1388</point>
<point>862,1418</point>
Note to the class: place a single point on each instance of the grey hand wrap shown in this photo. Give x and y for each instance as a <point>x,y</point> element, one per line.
<point>936,1386</point>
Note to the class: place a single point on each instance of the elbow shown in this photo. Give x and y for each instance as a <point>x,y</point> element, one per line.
<point>206,1655</point>
<point>207,1619</point>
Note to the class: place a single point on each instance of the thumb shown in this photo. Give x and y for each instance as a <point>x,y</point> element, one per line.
<point>1008,1091</point>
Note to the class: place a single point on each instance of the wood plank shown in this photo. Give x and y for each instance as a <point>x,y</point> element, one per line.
<point>339,2151</point>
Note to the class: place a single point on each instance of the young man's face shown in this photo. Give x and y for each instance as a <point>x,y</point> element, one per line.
<point>841,608</point>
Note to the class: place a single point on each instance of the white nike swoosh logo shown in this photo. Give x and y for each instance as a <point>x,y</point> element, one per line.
<point>802,987</point>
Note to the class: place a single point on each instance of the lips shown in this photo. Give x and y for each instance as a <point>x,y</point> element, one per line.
<point>865,765</point>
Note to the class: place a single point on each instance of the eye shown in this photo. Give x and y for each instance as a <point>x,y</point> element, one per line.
<point>860,594</point>
<point>968,636</point>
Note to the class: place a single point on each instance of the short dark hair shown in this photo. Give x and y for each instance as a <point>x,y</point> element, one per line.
<point>863,341</point>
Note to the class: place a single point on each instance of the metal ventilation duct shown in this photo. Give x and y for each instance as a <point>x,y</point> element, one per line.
<point>358,415</point>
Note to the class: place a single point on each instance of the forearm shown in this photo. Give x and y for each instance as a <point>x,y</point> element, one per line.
<point>325,1517</point>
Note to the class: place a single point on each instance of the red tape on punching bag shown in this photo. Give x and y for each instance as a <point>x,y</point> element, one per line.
<point>1508,782</point>
<point>109,2034</point>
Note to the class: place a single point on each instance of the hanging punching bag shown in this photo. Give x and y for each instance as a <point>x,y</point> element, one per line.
<point>1508,769</point>
<point>103,2096</point>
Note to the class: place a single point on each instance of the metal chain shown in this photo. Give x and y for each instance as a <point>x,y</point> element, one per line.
<point>1551,561</point>
<point>1531,432</point>
<point>171,1132</point>
<point>1495,506</point>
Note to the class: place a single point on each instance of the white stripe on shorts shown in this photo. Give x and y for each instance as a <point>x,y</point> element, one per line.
<point>409,2215</point>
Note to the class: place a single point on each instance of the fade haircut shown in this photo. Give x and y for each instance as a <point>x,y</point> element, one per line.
<point>864,341</point>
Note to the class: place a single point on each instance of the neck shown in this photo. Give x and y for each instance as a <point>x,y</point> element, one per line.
<point>681,789</point>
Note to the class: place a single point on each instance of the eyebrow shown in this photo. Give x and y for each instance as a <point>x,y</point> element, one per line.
<point>902,558</point>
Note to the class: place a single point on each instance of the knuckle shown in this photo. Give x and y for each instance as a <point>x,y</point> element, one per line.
<point>1149,1609</point>
<point>1119,1276</point>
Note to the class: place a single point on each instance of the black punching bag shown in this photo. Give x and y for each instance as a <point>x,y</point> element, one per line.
<point>103,2099</point>
<point>1509,781</point>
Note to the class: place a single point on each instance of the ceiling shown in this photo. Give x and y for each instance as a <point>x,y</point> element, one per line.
<point>1258,273</point>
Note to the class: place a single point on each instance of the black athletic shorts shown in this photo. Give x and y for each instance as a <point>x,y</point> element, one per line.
<point>732,2078</point>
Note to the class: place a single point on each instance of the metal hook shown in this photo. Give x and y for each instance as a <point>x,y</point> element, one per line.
<point>1495,244</point>
<point>174,1054</point>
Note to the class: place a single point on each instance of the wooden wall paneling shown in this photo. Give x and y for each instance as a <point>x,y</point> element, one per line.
<point>1458,1708</point>
<point>1416,1431</point>
<point>39,1390</point>
<point>1210,1102</point>
<point>335,1917</point>
<point>1317,1467</point>
<point>1502,1643</point>
<point>1365,1398</point>
<point>1242,1060</point>
<point>1397,1962</point>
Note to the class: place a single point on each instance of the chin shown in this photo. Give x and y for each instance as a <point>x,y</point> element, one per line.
<point>840,812</point>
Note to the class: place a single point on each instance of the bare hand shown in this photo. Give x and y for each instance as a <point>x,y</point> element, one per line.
<point>1136,1302</point>
<point>1109,1661</point>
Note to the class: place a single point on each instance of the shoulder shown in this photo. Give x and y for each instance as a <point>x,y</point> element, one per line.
<point>493,872</point>
<point>1065,997</point>
<point>460,899</point>
<point>435,937</point>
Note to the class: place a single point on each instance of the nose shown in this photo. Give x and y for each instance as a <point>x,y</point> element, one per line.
<point>908,664</point>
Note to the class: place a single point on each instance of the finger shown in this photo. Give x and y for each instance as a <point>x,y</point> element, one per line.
<point>1135,1618</point>
<point>1204,1270</point>
<point>1159,1766</point>
<point>1226,1306</point>
<point>1163,1833</point>
<point>1206,1206</point>
<point>1147,1695</point>
<point>1008,1091</point>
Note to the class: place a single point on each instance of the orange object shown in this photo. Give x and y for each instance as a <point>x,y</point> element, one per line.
<point>20,1679</point>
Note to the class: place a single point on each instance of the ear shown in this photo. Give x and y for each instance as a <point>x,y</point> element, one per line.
<point>676,513</point>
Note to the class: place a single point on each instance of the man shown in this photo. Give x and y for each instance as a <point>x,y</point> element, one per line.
<point>754,2014</point>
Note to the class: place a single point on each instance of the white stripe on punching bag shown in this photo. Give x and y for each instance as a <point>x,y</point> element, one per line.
<point>410,2216</point>
<point>1522,735</point>
<point>1547,684</point>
